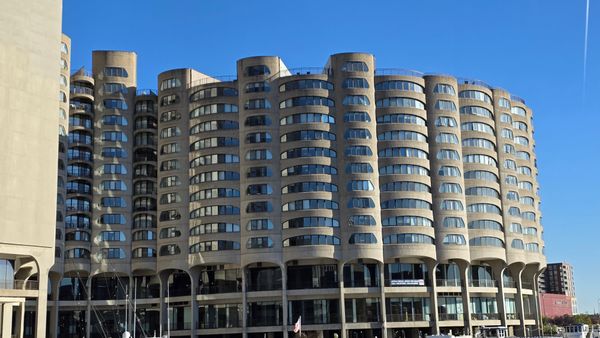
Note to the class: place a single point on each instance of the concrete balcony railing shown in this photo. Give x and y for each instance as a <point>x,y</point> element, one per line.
<point>485,316</point>
<point>19,284</point>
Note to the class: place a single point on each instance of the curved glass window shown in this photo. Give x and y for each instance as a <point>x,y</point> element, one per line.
<point>477,126</point>
<point>113,202</point>
<point>259,154</point>
<point>257,70</point>
<point>115,71</point>
<point>358,151</point>
<point>170,132</point>
<point>520,125</point>
<point>168,100</point>
<point>81,236</point>
<point>304,240</point>
<point>357,116</point>
<point>403,102</point>
<point>530,231</point>
<point>77,253</point>
<point>523,155</point>
<point>405,186</point>
<point>526,185</point>
<point>360,185</point>
<point>449,171</point>
<point>522,170</point>
<point>114,185</point>
<point>214,193</point>
<point>361,203</point>
<point>213,142</point>
<point>114,136</point>
<point>259,243</point>
<point>170,198</point>
<point>214,125</point>
<point>170,83</point>
<point>213,228</point>
<point>486,241</point>
<point>528,215</point>
<point>214,176</point>
<point>518,111</point>
<point>399,85</point>
<point>214,159</point>
<point>405,203</point>
<point>480,159</point>
<point>407,239</point>
<point>516,227</point>
<point>478,143</point>
<point>143,253</point>
<point>450,188</point>
<point>355,82</point>
<point>258,137</point>
<point>402,152</point>
<point>309,169</point>
<point>446,138</point>
<point>507,133</point>
<point>307,118</point>
<point>169,181</point>
<point>112,219</point>
<point>355,66</point>
<point>356,100</point>
<point>357,133</point>
<point>170,116</point>
<point>257,104</point>
<point>442,88</point>
<point>481,175</point>
<point>505,118</point>
<point>214,108</point>
<point>451,205</point>
<point>259,206</point>
<point>309,204</point>
<point>361,220</point>
<point>522,140</point>
<point>475,95</point>
<point>448,154</point>
<point>259,172</point>
<point>504,103</point>
<point>401,118</point>
<point>402,135</point>
<point>306,101</point>
<point>170,148</point>
<point>453,222</point>
<point>510,164</point>
<point>484,208</point>
<point>406,221</point>
<point>112,236</point>
<point>214,246</point>
<point>144,235</point>
<point>113,120</point>
<point>114,152</point>
<point>476,110</point>
<point>259,189</point>
<point>308,152</point>
<point>215,210</point>
<point>110,88</point>
<point>306,84</point>
<point>212,92</point>
<point>359,168</point>
<point>307,135</point>
<point>514,211</point>
<point>454,239</point>
<point>512,180</point>
<point>362,238</point>
<point>311,222</point>
<point>258,87</point>
<point>259,224</point>
<point>482,191</point>
<point>445,121</point>
<point>517,244</point>
<point>403,169</point>
<point>445,105</point>
<point>526,200</point>
<point>485,224</point>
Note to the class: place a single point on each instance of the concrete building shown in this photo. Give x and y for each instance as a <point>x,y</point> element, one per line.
<point>558,279</point>
<point>33,127</point>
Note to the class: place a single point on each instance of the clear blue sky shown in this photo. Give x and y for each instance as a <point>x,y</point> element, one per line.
<point>533,48</point>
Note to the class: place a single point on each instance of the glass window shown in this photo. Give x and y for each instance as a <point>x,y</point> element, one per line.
<point>405,186</point>
<point>259,189</point>
<point>448,154</point>
<point>306,84</point>
<point>169,100</point>
<point>403,102</point>
<point>170,116</point>
<point>362,238</point>
<point>356,116</point>
<point>309,169</point>
<point>308,187</point>
<point>259,154</point>
<point>170,83</point>
<point>451,205</point>
<point>454,239</point>
<point>361,203</point>
<point>307,135</point>
<point>446,138</point>
<point>485,224</point>
<point>442,88</point>
<point>115,71</point>
<point>307,118</point>
<point>259,243</point>
<point>505,118</point>
<point>214,210</point>
<point>402,135</point>
<point>306,101</point>
<point>214,246</point>
<point>483,208</point>
<point>258,87</point>
<point>445,105</point>
<point>483,191</point>
<point>308,204</point>
<point>115,104</point>
<point>360,185</point>
<point>259,224</point>
<point>478,143</point>
<point>361,220</point>
<point>213,228</point>
<point>257,120</point>
<point>504,103</point>
<point>356,100</point>
<point>311,222</point>
<point>358,168</point>
<point>355,66</point>
<point>214,159</point>
<point>214,142</point>
<point>486,241</point>
<point>110,88</point>
<point>453,222</point>
<point>354,82</point>
<point>477,126</point>
<point>403,152</point>
<point>480,159</point>
<point>407,239</point>
<point>403,169</point>
<point>401,118</point>
<point>518,111</point>
<point>214,193</point>
<point>257,70</point>
<point>212,92</point>
<point>257,104</point>
<point>214,176</point>
<point>215,108</point>
<point>481,175</point>
<point>399,85</point>
<point>445,121</point>
<point>476,110</point>
<point>358,151</point>
<point>259,206</point>
<point>475,95</point>
<point>406,203</point>
<point>308,152</point>
<point>214,125</point>
<point>452,188</point>
<point>305,240</point>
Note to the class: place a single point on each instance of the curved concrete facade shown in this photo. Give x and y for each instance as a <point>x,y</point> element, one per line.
<point>373,202</point>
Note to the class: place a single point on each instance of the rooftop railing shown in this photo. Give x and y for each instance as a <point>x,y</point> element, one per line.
<point>398,71</point>
<point>140,92</point>
<point>83,72</point>
<point>212,79</point>
<point>516,98</point>
<point>462,80</point>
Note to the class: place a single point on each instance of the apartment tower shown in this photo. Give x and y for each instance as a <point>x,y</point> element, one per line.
<point>369,202</point>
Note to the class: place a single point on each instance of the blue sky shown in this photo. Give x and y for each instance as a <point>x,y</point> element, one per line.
<point>533,48</point>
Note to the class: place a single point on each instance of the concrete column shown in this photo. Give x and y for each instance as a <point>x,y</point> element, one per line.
<point>55,283</point>
<point>88,312</point>
<point>500,298</point>
<point>194,278</point>
<point>42,301</point>
<point>382,302</point>
<point>538,311</point>
<point>284,302</point>
<point>164,284</point>
<point>7,311</point>
<point>464,279</point>
<point>19,327</point>
<point>519,303</point>
<point>434,301</point>
<point>244,305</point>
<point>342,301</point>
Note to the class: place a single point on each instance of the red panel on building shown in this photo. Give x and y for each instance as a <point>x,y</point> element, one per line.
<point>555,305</point>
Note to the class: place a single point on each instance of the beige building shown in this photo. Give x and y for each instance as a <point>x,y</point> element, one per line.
<point>370,202</point>
<point>33,125</point>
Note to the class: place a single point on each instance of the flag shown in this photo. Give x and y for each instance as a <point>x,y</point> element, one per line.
<point>298,325</point>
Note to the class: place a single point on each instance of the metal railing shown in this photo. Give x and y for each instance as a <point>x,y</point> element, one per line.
<point>212,79</point>
<point>407,317</point>
<point>140,92</point>
<point>82,90</point>
<point>516,98</point>
<point>19,284</point>
<point>448,282</point>
<point>451,316</point>
<point>512,316</point>
<point>303,71</point>
<point>83,72</point>
<point>508,284</point>
<point>485,316</point>
<point>398,71</point>
<point>483,283</point>
<point>463,80</point>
